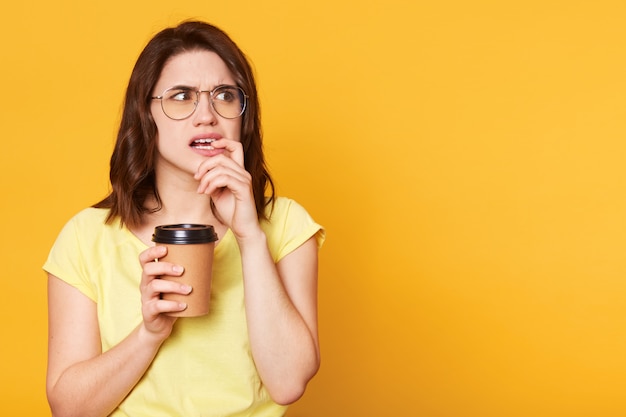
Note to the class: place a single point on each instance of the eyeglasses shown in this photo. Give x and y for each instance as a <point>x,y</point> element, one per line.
<point>178,103</point>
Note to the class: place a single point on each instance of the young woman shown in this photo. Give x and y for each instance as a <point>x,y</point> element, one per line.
<point>189,150</point>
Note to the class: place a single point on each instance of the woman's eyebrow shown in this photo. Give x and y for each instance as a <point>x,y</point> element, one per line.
<point>182,87</point>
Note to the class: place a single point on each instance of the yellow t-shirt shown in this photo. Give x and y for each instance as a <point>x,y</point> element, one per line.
<point>205,367</point>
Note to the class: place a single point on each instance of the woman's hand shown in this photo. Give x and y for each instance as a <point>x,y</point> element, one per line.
<point>224,178</point>
<point>155,322</point>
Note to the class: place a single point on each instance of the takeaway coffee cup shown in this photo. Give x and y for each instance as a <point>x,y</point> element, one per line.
<point>191,246</point>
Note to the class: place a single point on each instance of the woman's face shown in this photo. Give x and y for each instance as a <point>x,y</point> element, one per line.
<point>183,144</point>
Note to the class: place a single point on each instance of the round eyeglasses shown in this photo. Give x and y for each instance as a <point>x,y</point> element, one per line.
<point>179,103</point>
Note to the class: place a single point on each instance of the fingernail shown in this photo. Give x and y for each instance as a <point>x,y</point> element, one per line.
<point>186,288</point>
<point>182,306</point>
<point>178,269</point>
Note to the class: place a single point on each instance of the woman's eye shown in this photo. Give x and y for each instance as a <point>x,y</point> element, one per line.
<point>225,95</point>
<point>181,95</point>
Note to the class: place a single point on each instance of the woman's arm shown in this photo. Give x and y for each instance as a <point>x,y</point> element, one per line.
<point>280,299</point>
<point>81,380</point>
<point>84,382</point>
<point>281,309</point>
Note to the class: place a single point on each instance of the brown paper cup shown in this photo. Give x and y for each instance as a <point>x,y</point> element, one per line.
<point>191,246</point>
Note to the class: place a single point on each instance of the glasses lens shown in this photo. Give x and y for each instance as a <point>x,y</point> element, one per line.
<point>229,102</point>
<point>179,103</point>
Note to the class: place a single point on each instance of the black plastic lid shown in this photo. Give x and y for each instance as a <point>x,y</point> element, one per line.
<point>181,234</point>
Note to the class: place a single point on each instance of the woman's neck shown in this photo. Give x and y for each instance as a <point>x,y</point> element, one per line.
<point>181,206</point>
<point>179,203</point>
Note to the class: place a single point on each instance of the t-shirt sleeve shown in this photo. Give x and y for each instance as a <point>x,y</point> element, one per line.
<point>291,226</point>
<point>66,259</point>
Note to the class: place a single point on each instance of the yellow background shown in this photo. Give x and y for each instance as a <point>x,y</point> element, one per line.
<point>467,159</point>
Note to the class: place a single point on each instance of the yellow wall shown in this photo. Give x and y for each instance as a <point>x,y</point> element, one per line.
<point>466,157</point>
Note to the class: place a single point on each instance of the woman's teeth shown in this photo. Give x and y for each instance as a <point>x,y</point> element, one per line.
<point>204,144</point>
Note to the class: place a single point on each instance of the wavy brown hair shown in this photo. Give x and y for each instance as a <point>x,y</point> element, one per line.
<point>133,159</point>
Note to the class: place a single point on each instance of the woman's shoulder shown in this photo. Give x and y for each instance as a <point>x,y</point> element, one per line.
<point>90,217</point>
<point>91,222</point>
<point>282,207</point>
<point>290,224</point>
<point>90,231</point>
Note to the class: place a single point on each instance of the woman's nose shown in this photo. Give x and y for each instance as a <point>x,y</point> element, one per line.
<point>204,114</point>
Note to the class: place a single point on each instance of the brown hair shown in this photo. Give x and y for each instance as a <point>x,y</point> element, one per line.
<point>132,162</point>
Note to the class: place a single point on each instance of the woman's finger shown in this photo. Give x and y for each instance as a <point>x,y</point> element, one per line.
<point>153,309</point>
<point>233,148</point>
<point>222,176</point>
<point>159,286</point>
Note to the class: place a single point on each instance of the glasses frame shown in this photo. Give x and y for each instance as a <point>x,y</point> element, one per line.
<point>197,100</point>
